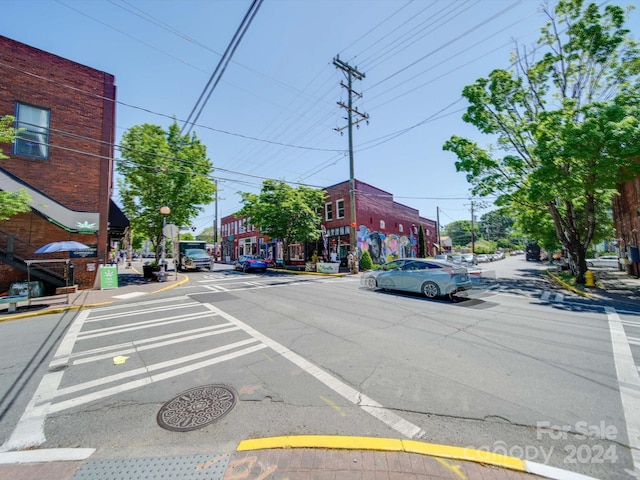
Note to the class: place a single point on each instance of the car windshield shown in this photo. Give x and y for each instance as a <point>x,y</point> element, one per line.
<point>194,251</point>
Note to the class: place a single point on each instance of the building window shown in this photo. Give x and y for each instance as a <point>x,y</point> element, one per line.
<point>328,211</point>
<point>339,208</point>
<point>33,140</point>
<point>381,224</point>
<point>400,228</point>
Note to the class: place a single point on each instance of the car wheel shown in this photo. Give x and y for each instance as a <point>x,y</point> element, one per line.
<point>244,268</point>
<point>371,282</point>
<point>589,264</point>
<point>430,289</point>
<point>264,270</point>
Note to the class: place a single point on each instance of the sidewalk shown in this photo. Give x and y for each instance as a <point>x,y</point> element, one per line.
<point>131,284</point>
<point>618,287</point>
<point>303,457</point>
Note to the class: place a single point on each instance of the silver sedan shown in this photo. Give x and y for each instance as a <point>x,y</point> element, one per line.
<point>432,278</point>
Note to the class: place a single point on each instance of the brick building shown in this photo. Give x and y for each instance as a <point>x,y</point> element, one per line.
<point>626,216</point>
<point>63,158</point>
<point>385,228</point>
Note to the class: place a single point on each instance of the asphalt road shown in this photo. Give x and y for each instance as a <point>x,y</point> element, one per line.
<point>515,367</point>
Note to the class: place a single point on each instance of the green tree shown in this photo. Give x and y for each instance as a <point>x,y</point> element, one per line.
<point>206,235</point>
<point>422,249</point>
<point>281,211</point>
<point>496,224</point>
<point>566,124</point>
<point>163,168</point>
<point>11,203</point>
<point>366,263</point>
<point>459,232</point>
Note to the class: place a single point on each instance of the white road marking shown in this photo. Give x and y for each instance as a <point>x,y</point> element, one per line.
<point>158,322</point>
<point>628,381</point>
<point>148,369</point>
<point>126,296</point>
<point>137,348</point>
<point>109,350</point>
<point>29,431</point>
<point>369,405</point>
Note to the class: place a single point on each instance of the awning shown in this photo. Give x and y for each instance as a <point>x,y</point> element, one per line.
<point>71,220</point>
<point>118,222</point>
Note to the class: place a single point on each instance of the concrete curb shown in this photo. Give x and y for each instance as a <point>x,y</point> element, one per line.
<point>566,286</point>
<point>410,446</point>
<point>68,308</point>
<point>303,272</point>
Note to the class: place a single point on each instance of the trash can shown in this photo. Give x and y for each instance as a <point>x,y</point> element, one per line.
<point>70,280</point>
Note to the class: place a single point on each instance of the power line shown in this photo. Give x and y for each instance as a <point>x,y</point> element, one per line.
<point>221,67</point>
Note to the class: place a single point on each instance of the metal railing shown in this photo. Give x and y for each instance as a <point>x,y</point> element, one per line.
<point>15,251</point>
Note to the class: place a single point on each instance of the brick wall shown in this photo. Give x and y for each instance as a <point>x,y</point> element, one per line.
<point>79,170</point>
<point>626,214</point>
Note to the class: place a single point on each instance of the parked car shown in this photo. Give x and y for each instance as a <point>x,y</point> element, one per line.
<point>432,278</point>
<point>484,258</point>
<point>604,261</point>
<point>444,257</point>
<point>250,262</point>
<point>470,258</point>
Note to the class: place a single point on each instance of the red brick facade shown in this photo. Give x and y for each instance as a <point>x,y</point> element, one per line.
<point>78,172</point>
<point>626,214</point>
<point>387,229</point>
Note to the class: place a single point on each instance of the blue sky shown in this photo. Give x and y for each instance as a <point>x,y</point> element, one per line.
<point>275,111</point>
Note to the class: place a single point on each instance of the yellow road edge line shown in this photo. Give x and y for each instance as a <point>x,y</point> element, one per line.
<point>322,441</point>
<point>173,285</point>
<point>386,445</point>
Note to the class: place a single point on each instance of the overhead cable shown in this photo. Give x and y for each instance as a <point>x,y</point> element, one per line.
<point>221,67</point>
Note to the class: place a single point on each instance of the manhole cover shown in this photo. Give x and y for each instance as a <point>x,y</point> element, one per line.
<point>196,408</point>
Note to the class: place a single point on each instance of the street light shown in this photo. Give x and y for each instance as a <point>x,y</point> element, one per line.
<point>164,211</point>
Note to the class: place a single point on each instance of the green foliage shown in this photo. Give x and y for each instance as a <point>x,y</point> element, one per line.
<point>281,211</point>
<point>366,263</point>
<point>485,246</point>
<point>163,168</point>
<point>459,232</point>
<point>11,203</point>
<point>207,235</point>
<point>187,236</point>
<point>565,128</point>
<point>496,224</point>
<point>7,131</point>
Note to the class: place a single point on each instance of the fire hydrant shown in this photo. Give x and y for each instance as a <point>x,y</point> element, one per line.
<point>589,279</point>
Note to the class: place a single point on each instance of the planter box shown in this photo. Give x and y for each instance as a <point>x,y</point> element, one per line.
<point>147,270</point>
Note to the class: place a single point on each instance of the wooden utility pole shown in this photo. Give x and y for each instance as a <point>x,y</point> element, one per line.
<point>351,73</point>
<point>215,224</point>
<point>473,235</point>
<point>438,229</point>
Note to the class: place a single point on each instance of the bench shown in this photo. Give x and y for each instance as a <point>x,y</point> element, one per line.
<point>13,300</point>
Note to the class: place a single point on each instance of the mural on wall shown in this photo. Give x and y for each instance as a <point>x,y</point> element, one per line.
<point>385,248</point>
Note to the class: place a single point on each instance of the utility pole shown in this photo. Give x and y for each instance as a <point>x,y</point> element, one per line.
<point>215,224</point>
<point>351,73</point>
<point>473,235</point>
<point>438,228</point>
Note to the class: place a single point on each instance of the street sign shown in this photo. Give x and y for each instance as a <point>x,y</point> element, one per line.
<point>170,230</point>
<point>108,276</point>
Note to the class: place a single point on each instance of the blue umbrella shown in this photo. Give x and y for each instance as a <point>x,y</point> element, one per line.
<point>65,246</point>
